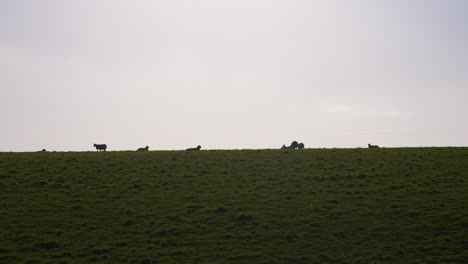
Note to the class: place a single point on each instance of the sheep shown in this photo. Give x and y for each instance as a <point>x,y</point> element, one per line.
<point>194,149</point>
<point>294,145</point>
<point>372,146</point>
<point>100,147</point>
<point>300,146</point>
<point>143,149</point>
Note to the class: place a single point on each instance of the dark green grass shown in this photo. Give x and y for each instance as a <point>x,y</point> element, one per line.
<point>248,206</point>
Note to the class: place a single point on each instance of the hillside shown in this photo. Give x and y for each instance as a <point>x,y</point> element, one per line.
<point>406,205</point>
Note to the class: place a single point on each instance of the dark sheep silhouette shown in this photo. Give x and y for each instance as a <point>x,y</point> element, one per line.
<point>294,145</point>
<point>373,146</point>
<point>143,149</point>
<point>194,149</point>
<point>300,146</point>
<point>100,147</point>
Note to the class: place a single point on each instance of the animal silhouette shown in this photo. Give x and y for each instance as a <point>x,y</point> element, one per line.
<point>293,145</point>
<point>194,149</point>
<point>143,149</point>
<point>99,147</point>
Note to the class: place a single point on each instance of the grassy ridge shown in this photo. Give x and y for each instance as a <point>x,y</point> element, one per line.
<point>247,206</point>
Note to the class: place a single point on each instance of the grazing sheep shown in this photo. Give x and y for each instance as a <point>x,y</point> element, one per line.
<point>373,146</point>
<point>300,146</point>
<point>143,149</point>
<point>294,145</point>
<point>194,149</point>
<point>100,147</point>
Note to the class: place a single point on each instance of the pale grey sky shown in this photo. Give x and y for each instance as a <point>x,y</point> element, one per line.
<point>232,74</point>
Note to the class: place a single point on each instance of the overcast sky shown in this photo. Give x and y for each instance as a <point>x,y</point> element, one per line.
<point>232,74</point>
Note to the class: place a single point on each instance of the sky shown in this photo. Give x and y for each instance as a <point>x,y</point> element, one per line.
<point>232,74</point>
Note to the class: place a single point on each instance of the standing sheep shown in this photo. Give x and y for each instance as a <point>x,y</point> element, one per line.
<point>100,147</point>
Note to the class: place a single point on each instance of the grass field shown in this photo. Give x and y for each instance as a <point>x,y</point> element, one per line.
<point>407,205</point>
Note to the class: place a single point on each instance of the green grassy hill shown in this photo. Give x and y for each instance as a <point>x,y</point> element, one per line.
<point>246,206</point>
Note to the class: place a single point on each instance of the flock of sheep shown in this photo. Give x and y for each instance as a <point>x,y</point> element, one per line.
<point>103,147</point>
<point>294,145</point>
